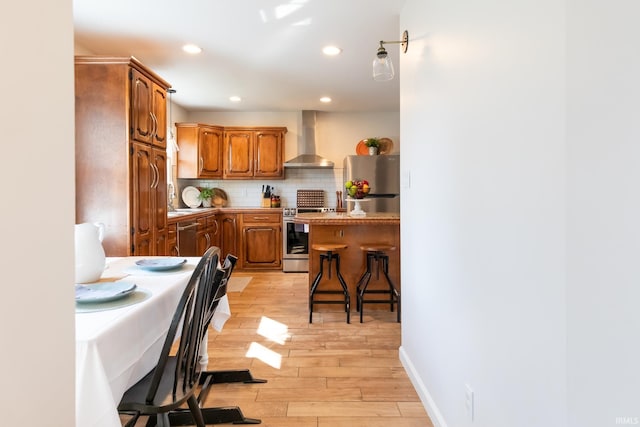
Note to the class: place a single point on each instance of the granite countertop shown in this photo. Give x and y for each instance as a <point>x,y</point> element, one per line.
<point>181,214</point>
<point>340,218</point>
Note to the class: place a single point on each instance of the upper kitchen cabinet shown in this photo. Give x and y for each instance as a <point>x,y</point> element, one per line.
<point>253,153</point>
<point>149,101</point>
<point>120,153</point>
<point>200,154</point>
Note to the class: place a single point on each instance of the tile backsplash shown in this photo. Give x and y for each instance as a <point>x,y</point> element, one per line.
<point>248,193</point>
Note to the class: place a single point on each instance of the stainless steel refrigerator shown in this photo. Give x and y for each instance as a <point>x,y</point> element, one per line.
<point>383,174</point>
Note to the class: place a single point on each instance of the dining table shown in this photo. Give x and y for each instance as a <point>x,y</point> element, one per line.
<point>119,341</point>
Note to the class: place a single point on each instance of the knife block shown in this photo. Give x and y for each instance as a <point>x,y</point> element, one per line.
<point>266,201</point>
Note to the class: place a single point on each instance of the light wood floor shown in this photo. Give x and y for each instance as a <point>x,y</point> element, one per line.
<point>325,374</point>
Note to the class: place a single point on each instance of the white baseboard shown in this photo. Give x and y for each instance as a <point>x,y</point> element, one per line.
<point>430,406</point>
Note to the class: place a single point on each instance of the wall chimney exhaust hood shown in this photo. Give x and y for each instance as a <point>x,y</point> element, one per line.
<point>307,157</point>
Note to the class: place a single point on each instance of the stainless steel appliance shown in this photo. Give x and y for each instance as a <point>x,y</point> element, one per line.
<point>307,157</point>
<point>187,243</point>
<point>295,237</point>
<point>383,174</point>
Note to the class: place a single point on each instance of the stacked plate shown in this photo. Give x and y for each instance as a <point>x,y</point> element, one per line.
<point>190,197</point>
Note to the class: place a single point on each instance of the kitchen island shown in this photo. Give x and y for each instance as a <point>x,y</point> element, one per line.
<point>353,231</point>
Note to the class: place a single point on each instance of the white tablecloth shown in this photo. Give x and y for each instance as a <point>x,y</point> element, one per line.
<point>116,348</point>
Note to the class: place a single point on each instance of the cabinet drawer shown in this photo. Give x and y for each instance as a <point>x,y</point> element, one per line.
<point>202,223</point>
<point>261,218</point>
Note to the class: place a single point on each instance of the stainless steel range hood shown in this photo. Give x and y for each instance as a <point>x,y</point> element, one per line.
<point>307,157</point>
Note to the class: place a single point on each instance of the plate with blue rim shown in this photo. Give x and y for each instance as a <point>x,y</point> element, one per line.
<point>161,264</point>
<point>103,291</point>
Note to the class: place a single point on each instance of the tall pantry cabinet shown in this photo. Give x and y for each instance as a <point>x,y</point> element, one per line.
<point>121,160</point>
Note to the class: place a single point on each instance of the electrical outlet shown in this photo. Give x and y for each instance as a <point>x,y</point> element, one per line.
<point>468,401</point>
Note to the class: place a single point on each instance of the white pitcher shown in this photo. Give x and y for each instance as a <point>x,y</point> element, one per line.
<point>90,257</point>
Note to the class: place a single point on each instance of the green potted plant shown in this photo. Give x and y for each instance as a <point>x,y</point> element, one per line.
<point>205,195</point>
<point>373,144</point>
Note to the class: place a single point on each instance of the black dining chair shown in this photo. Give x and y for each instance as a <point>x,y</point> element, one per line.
<point>222,414</point>
<point>175,378</point>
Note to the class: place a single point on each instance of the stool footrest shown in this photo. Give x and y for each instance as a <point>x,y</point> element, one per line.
<point>329,302</point>
<point>377,301</point>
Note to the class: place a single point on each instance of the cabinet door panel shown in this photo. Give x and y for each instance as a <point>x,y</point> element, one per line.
<point>159,194</point>
<point>228,235</point>
<point>159,108</point>
<point>210,145</point>
<point>260,246</point>
<point>143,176</point>
<point>238,154</point>
<point>172,240</point>
<point>141,93</point>
<point>268,154</point>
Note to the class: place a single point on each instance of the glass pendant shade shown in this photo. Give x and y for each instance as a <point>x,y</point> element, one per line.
<point>382,67</point>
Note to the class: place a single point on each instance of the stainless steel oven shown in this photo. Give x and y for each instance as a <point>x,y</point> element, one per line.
<point>295,237</point>
<point>295,243</point>
<point>295,240</point>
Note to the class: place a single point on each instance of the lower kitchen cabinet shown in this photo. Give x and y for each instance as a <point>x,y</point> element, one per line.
<point>261,241</point>
<point>172,240</point>
<point>228,239</point>
<point>207,233</point>
<point>254,236</point>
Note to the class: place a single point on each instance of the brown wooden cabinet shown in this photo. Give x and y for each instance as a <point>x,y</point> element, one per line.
<point>207,233</point>
<point>200,154</point>
<point>149,110</point>
<point>228,234</point>
<point>253,153</point>
<point>120,150</point>
<point>238,153</point>
<point>268,153</point>
<point>149,207</point>
<point>261,241</point>
<point>208,151</point>
<point>172,240</point>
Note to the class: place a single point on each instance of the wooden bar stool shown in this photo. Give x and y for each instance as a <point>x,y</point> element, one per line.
<point>328,253</point>
<point>377,257</point>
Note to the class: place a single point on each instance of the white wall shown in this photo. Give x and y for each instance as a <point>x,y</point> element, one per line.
<point>483,222</point>
<point>603,206</point>
<point>37,305</point>
<point>340,133</point>
<point>519,229</point>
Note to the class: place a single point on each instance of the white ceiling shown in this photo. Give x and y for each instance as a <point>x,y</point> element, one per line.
<point>266,51</point>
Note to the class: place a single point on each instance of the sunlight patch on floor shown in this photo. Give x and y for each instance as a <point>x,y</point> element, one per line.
<point>262,353</point>
<point>273,330</point>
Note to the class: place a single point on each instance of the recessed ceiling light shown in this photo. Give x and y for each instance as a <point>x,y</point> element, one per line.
<point>235,98</point>
<point>331,50</point>
<point>192,49</point>
<point>325,99</point>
